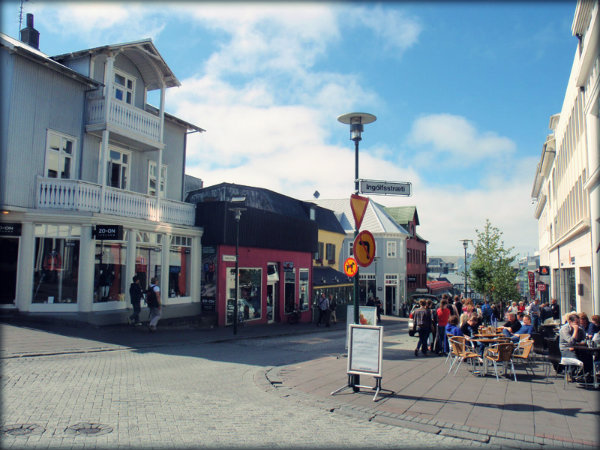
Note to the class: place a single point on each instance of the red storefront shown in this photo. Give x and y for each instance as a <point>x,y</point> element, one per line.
<point>272,284</point>
<point>277,238</point>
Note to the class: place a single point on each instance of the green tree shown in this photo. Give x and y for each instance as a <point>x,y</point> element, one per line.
<point>491,269</point>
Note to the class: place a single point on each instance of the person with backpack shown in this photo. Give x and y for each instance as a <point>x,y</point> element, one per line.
<point>154,303</point>
<point>422,324</point>
<point>135,295</point>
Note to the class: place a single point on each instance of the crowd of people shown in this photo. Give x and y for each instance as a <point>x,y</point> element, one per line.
<point>457,316</point>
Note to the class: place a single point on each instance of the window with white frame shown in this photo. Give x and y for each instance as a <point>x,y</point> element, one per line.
<point>152,179</point>
<point>60,155</point>
<point>391,249</point>
<point>350,248</point>
<point>118,168</point>
<point>124,87</point>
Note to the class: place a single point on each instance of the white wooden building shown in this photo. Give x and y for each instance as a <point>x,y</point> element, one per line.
<point>92,182</point>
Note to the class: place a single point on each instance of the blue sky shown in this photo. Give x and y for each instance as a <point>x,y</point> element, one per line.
<point>463,93</point>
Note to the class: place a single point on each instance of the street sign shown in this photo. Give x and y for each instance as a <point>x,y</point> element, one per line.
<point>350,267</point>
<point>541,286</point>
<point>364,248</point>
<point>359,207</point>
<point>544,270</point>
<point>385,187</point>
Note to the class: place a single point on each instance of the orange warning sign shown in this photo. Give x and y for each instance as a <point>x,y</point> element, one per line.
<point>364,248</point>
<point>359,207</point>
<point>350,267</point>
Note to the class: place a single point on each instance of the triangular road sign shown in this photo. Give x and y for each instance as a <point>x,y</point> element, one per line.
<point>359,207</point>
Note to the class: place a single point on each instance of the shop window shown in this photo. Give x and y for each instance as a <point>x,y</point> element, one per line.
<point>110,283</point>
<point>148,257</point>
<point>56,264</point>
<point>303,300</point>
<point>290,290</point>
<point>180,257</point>
<point>59,155</point>
<point>249,296</point>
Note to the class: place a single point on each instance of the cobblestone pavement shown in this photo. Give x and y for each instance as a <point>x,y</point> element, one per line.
<point>269,386</point>
<point>175,396</point>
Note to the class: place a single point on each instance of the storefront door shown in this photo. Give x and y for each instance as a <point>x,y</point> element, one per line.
<point>272,301</point>
<point>390,300</point>
<point>9,255</point>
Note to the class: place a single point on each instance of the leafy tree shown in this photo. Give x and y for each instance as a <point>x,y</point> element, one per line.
<point>492,273</point>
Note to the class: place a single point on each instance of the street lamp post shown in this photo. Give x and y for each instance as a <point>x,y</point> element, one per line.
<point>238,215</point>
<point>465,245</point>
<point>356,122</point>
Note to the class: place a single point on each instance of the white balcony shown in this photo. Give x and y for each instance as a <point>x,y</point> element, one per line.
<point>129,120</point>
<point>76,195</point>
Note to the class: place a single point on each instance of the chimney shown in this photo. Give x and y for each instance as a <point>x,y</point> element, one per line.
<point>30,35</point>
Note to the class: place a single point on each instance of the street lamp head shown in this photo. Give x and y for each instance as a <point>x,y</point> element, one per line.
<point>356,121</point>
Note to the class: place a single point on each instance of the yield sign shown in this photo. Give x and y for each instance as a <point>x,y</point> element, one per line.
<point>359,206</point>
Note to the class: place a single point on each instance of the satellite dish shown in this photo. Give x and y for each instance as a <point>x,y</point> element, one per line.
<point>316,194</point>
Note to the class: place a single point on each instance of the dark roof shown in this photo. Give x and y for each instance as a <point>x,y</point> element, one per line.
<point>258,198</point>
<point>328,276</point>
<point>326,219</point>
<point>257,228</point>
<point>267,200</point>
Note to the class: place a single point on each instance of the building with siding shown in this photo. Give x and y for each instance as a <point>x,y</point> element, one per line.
<point>386,277</point>
<point>566,186</point>
<point>416,247</point>
<point>91,182</point>
<point>278,237</point>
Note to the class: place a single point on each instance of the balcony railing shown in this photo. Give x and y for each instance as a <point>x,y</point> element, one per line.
<point>79,195</point>
<point>126,117</point>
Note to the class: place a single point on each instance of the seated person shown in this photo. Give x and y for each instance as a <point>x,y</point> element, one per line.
<point>470,328</point>
<point>520,316</point>
<point>594,326</point>
<point>567,338</point>
<point>584,324</point>
<point>511,327</point>
<point>452,328</point>
<point>526,328</point>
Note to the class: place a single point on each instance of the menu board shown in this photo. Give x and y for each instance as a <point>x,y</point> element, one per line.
<point>365,350</point>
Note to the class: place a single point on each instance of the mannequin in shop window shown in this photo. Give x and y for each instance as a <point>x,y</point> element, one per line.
<point>106,278</point>
<point>52,264</point>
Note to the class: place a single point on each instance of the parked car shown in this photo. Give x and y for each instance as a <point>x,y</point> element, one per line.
<point>414,302</point>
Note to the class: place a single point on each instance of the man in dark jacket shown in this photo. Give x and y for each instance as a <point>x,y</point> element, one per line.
<point>422,324</point>
<point>135,295</point>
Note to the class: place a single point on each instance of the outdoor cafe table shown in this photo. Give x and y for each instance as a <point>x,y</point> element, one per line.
<point>583,352</point>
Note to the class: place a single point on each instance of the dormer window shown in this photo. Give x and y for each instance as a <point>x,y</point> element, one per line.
<point>124,87</point>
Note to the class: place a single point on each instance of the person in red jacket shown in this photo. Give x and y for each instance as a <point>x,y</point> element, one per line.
<point>443,313</point>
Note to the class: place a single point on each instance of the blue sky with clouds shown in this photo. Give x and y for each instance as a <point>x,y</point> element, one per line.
<point>462,91</point>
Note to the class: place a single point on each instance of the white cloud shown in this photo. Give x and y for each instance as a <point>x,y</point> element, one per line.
<point>96,24</point>
<point>455,136</point>
<point>395,29</point>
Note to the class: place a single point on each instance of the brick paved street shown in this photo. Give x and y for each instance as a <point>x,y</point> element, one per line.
<point>203,395</point>
<point>112,387</point>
